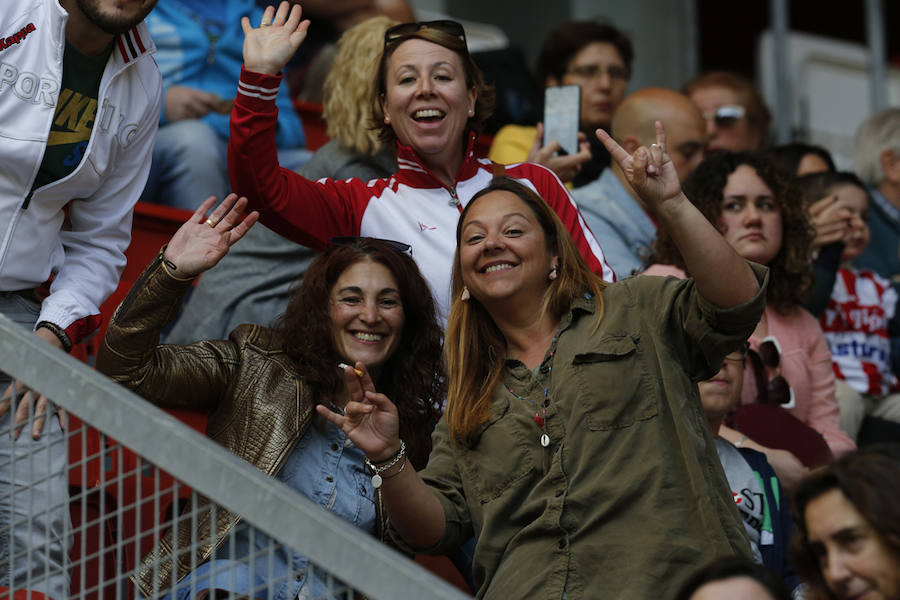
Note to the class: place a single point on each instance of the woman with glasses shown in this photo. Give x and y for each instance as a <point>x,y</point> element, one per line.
<point>431,102</point>
<point>363,310</point>
<point>737,118</point>
<point>760,214</point>
<point>595,56</point>
<point>574,446</point>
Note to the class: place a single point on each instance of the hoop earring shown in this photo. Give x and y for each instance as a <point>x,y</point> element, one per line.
<point>465,294</point>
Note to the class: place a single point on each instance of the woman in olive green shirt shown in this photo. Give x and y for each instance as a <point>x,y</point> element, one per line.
<point>573,446</point>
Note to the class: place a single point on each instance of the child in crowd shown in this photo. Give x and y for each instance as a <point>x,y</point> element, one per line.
<point>856,319</point>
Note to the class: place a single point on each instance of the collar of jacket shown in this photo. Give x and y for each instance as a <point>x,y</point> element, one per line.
<point>411,166</point>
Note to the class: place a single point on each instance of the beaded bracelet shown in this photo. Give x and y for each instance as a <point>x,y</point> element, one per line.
<point>376,478</point>
<point>58,331</point>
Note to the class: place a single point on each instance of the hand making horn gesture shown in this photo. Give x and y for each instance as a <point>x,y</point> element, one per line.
<point>649,170</point>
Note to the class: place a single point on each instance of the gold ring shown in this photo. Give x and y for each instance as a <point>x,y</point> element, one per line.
<point>212,223</point>
<point>264,24</point>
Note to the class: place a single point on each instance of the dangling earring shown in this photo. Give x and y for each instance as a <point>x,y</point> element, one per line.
<point>553,273</point>
<point>387,120</point>
<point>465,294</point>
<point>471,112</point>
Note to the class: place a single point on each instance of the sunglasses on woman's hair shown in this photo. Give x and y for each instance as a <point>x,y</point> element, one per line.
<point>727,115</point>
<point>772,389</point>
<point>349,240</point>
<point>405,30</point>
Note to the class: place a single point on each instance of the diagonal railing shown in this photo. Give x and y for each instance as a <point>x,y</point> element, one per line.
<point>129,461</point>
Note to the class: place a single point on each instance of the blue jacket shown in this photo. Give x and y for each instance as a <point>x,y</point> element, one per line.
<point>622,227</point>
<point>186,56</point>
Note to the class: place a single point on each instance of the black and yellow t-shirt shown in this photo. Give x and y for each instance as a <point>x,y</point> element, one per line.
<point>76,111</point>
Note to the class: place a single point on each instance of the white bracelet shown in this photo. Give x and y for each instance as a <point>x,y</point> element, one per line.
<point>740,441</point>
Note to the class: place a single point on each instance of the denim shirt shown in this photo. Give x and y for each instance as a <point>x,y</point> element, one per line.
<point>328,469</point>
<point>620,225</point>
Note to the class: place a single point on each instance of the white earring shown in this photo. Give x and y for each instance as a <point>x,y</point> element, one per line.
<point>553,273</point>
<point>465,294</point>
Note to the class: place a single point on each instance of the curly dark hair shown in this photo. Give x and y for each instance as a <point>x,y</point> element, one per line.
<point>413,376</point>
<point>790,273</point>
<point>868,479</point>
<point>567,40</point>
<point>484,99</point>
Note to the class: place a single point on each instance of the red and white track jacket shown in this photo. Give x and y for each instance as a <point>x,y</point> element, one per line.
<point>412,206</point>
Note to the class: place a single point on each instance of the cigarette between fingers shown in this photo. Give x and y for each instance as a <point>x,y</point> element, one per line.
<point>343,366</point>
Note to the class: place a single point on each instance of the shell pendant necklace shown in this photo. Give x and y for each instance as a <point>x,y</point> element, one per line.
<point>540,414</point>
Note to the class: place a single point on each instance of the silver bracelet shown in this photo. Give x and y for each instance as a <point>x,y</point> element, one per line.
<point>376,478</point>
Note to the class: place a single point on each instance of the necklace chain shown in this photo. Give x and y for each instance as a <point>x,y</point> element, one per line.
<point>546,366</point>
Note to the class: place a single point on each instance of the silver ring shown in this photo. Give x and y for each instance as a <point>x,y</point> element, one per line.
<point>264,24</point>
<point>655,144</point>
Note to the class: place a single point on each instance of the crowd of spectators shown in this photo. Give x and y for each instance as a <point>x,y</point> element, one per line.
<point>666,365</point>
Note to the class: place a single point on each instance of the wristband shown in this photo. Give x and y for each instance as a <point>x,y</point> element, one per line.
<point>58,331</point>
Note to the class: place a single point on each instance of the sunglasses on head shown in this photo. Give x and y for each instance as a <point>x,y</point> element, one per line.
<point>771,385</point>
<point>727,115</point>
<point>405,30</point>
<point>349,240</point>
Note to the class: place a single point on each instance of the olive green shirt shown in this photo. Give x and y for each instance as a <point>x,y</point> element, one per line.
<point>629,497</point>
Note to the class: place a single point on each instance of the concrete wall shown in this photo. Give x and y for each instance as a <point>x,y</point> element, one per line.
<point>662,30</point>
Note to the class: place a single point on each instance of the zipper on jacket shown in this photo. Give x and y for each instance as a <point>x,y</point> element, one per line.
<point>27,200</point>
<point>454,199</point>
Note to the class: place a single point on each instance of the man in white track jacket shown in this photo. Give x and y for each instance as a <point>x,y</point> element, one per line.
<point>79,107</point>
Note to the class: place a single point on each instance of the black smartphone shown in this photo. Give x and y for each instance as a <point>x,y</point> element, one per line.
<point>562,115</point>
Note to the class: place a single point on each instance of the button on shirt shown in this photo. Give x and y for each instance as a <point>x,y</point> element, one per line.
<point>329,470</point>
<point>629,494</point>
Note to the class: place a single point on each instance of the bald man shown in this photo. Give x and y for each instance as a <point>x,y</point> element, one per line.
<point>611,208</point>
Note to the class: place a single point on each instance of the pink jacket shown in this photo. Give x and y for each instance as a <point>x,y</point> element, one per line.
<point>805,364</point>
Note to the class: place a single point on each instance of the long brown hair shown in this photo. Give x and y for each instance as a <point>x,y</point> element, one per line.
<point>868,479</point>
<point>475,348</point>
<point>412,377</point>
<point>790,270</point>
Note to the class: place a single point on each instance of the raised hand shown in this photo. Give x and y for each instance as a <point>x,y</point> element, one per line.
<point>831,221</point>
<point>649,171</point>
<point>202,242</point>
<point>268,48</point>
<point>370,419</point>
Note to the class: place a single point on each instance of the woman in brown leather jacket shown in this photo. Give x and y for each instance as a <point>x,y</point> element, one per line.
<point>361,303</point>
